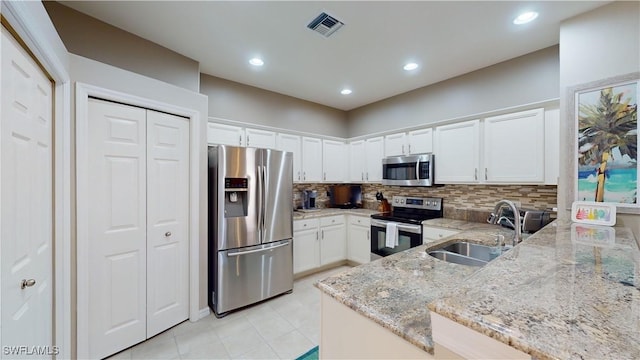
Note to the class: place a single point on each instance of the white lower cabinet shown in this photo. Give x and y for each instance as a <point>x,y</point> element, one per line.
<point>333,239</point>
<point>306,245</point>
<point>359,239</point>
<point>329,240</point>
<point>433,233</point>
<point>318,242</point>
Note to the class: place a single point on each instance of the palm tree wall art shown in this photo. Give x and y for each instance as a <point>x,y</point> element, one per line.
<point>608,144</point>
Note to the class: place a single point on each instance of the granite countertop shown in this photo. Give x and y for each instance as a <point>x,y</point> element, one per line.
<point>395,290</point>
<point>306,214</point>
<point>554,297</point>
<point>550,297</point>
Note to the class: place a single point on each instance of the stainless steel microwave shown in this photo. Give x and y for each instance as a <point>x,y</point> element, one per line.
<point>408,170</point>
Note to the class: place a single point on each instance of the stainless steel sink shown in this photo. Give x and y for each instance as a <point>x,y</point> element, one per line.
<point>456,258</point>
<point>465,253</point>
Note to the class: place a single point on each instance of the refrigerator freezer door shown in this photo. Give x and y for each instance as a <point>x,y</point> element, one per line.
<point>237,231</point>
<point>278,196</point>
<point>252,274</point>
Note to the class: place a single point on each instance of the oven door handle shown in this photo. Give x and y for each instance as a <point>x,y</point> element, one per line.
<point>414,229</point>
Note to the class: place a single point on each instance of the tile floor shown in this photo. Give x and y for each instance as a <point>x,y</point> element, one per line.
<point>281,328</point>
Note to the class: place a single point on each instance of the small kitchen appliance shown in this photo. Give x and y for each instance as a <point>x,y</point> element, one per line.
<point>345,196</point>
<point>310,197</point>
<point>405,220</point>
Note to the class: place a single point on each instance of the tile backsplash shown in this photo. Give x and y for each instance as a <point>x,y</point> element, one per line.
<point>464,202</point>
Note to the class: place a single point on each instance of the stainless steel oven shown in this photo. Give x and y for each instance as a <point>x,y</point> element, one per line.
<point>409,235</point>
<point>405,221</point>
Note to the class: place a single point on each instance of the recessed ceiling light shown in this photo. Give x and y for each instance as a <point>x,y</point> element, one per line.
<point>346,91</point>
<point>525,17</point>
<point>410,66</point>
<point>256,62</point>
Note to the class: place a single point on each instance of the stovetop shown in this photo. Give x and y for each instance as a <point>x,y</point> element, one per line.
<point>412,210</point>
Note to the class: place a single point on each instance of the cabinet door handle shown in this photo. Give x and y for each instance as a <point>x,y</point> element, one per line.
<point>247,140</point>
<point>304,175</point>
<point>298,175</point>
<point>240,140</point>
<point>317,236</point>
<point>322,237</point>
<point>368,234</point>
<point>367,176</point>
<point>362,176</point>
<point>27,283</point>
<point>409,148</point>
<point>402,149</point>
<point>475,174</point>
<point>485,174</point>
<point>325,176</point>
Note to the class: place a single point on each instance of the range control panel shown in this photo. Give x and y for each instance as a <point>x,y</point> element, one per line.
<point>417,203</point>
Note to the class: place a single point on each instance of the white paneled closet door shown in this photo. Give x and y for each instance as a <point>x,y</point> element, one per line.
<point>26,190</point>
<point>167,221</point>
<point>117,227</point>
<point>138,218</point>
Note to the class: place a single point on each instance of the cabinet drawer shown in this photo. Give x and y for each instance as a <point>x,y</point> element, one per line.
<point>305,224</point>
<point>360,221</point>
<point>434,233</point>
<point>332,220</point>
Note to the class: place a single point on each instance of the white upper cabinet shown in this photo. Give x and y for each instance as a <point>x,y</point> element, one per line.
<point>260,138</point>
<point>457,148</point>
<point>420,141</point>
<point>357,161</point>
<point>551,146</point>
<point>334,162</point>
<point>222,134</point>
<point>374,152</point>
<point>514,148</point>
<point>365,160</point>
<point>311,159</point>
<point>505,149</point>
<point>396,145</point>
<point>414,142</point>
<point>292,144</point>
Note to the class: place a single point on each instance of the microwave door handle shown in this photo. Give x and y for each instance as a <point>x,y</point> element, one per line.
<point>418,170</point>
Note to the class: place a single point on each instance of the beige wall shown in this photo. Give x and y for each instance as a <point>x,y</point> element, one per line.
<point>89,37</point>
<point>106,76</point>
<point>600,44</point>
<point>234,101</point>
<point>527,79</point>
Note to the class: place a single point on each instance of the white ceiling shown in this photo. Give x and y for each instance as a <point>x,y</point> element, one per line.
<point>446,38</point>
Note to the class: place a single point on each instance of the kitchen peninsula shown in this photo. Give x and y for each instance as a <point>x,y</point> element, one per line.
<point>552,296</point>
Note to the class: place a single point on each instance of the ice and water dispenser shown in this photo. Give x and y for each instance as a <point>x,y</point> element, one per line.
<point>235,197</point>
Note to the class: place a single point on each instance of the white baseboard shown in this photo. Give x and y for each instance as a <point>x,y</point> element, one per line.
<point>203,313</point>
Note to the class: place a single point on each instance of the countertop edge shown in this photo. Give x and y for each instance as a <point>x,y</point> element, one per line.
<point>377,319</point>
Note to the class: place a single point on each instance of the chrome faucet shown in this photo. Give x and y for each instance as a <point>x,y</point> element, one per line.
<point>496,217</point>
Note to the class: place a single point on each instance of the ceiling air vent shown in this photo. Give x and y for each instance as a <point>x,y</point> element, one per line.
<point>325,24</point>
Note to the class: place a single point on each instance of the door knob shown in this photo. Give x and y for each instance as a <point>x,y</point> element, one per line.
<point>27,283</point>
<point>167,234</point>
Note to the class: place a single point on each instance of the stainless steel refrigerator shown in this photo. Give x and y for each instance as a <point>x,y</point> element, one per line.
<point>250,226</point>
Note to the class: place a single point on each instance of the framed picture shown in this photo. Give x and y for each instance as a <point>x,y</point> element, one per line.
<point>606,116</point>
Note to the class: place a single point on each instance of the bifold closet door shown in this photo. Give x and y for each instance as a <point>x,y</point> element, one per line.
<point>167,221</point>
<point>138,224</point>
<point>117,227</point>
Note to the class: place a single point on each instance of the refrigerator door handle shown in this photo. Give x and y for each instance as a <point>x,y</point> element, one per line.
<point>239,253</point>
<point>260,197</point>
<point>264,199</point>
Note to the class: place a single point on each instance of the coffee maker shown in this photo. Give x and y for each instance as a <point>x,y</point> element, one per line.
<point>309,199</point>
